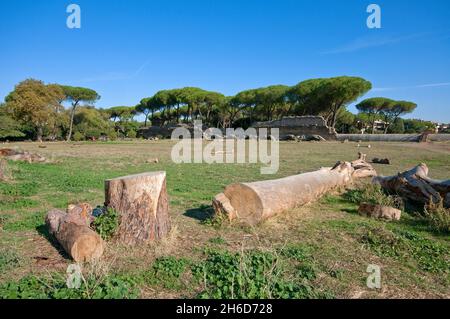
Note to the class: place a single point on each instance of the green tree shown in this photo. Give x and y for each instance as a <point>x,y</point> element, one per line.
<point>396,109</point>
<point>398,127</point>
<point>345,121</point>
<point>305,97</point>
<point>418,126</point>
<point>9,128</point>
<point>122,116</point>
<point>76,95</point>
<point>272,99</point>
<point>339,92</point>
<point>146,107</point>
<point>374,107</point>
<point>90,123</point>
<point>36,104</point>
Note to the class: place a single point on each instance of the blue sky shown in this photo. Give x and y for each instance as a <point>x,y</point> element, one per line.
<point>129,49</point>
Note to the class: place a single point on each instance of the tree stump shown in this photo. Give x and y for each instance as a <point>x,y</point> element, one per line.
<point>254,202</point>
<point>142,203</point>
<point>73,233</point>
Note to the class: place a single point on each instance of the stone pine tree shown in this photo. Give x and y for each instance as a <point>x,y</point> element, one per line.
<point>336,93</point>
<point>374,107</point>
<point>77,95</point>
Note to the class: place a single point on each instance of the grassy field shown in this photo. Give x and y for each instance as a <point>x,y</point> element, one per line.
<point>318,251</point>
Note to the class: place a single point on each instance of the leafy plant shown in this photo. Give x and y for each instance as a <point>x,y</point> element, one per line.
<point>8,259</point>
<point>430,256</point>
<point>106,224</point>
<point>373,194</point>
<point>249,275</point>
<point>438,216</point>
<point>166,271</point>
<point>54,287</point>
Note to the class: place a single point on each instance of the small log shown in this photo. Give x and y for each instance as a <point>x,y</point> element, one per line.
<point>416,186</point>
<point>142,203</point>
<point>384,161</point>
<point>73,233</point>
<point>379,211</point>
<point>252,203</point>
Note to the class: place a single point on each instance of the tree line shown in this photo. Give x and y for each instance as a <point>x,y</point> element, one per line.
<point>55,112</point>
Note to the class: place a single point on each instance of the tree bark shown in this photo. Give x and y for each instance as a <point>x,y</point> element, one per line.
<point>73,233</point>
<point>416,186</point>
<point>252,203</point>
<point>142,203</point>
<point>72,115</point>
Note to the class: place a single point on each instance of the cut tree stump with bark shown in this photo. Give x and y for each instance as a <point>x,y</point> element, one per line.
<point>143,206</point>
<point>252,203</point>
<point>73,233</point>
<point>416,186</point>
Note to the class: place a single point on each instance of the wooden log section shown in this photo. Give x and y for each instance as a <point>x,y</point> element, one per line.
<point>142,203</point>
<point>252,203</point>
<point>416,186</point>
<point>73,233</point>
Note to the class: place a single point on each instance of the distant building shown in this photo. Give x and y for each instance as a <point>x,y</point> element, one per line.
<point>300,126</point>
<point>441,127</point>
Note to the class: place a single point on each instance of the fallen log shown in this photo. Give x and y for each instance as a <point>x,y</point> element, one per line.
<point>252,203</point>
<point>142,203</point>
<point>416,186</point>
<point>73,233</point>
<point>17,155</point>
<point>384,161</point>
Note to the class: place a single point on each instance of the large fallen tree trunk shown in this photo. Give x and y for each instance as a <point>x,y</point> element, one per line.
<point>416,186</point>
<point>252,203</point>
<point>17,155</point>
<point>142,203</point>
<point>73,233</point>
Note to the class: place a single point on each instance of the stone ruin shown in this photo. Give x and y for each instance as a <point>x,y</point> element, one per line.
<point>296,127</point>
<point>301,127</point>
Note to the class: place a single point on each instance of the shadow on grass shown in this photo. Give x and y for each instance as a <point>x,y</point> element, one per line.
<point>202,213</point>
<point>43,231</point>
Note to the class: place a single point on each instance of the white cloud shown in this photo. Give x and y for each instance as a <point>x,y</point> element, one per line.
<point>371,42</point>
<point>115,76</point>
<point>429,85</point>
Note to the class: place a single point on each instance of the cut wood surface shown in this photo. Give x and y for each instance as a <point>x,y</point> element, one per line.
<point>254,202</point>
<point>73,233</point>
<point>142,203</point>
<point>416,186</point>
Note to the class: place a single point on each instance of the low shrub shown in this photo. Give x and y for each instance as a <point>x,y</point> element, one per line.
<point>373,194</point>
<point>438,216</point>
<point>107,223</point>
<point>253,275</point>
